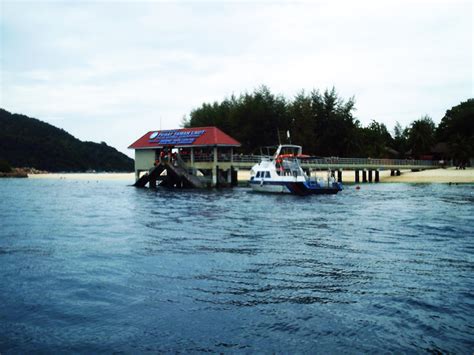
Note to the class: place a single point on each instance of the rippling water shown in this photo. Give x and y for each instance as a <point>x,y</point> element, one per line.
<point>103,267</point>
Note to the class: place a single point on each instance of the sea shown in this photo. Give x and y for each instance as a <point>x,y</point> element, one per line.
<point>103,267</point>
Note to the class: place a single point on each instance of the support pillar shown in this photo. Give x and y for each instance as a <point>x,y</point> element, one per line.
<point>234,176</point>
<point>392,172</point>
<point>364,175</point>
<point>398,173</point>
<point>356,172</point>
<point>192,160</point>
<point>370,175</point>
<point>152,183</point>
<point>377,176</point>
<point>137,175</point>
<point>339,175</point>
<point>214,169</point>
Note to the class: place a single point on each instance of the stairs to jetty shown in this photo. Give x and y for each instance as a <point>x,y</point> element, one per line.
<point>177,175</point>
<point>153,173</point>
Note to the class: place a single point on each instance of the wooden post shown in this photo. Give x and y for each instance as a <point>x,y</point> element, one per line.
<point>234,176</point>
<point>356,176</point>
<point>370,175</point>
<point>392,172</point>
<point>364,175</point>
<point>152,182</point>
<point>339,175</point>
<point>377,176</point>
<point>192,159</point>
<point>398,173</point>
<point>214,168</point>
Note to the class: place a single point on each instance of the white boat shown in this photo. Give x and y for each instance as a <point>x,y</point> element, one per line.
<point>282,173</point>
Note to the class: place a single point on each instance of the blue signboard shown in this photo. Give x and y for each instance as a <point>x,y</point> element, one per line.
<point>175,137</point>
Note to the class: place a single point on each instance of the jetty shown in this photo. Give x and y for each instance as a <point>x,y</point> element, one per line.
<point>203,157</point>
<point>189,157</point>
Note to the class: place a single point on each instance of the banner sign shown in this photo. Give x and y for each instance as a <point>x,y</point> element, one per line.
<point>175,137</point>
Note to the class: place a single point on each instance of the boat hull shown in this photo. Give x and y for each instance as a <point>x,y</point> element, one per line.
<point>295,188</point>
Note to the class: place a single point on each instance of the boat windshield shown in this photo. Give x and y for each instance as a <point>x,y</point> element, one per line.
<point>288,151</point>
<point>268,151</point>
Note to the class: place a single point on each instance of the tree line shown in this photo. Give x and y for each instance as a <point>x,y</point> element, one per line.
<point>325,125</point>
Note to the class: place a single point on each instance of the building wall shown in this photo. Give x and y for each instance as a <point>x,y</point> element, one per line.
<point>144,159</point>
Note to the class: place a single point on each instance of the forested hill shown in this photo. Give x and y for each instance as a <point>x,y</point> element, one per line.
<point>28,142</point>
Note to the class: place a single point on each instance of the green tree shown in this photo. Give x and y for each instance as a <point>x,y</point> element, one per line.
<point>457,129</point>
<point>253,119</point>
<point>376,140</point>
<point>333,125</point>
<point>421,136</point>
<point>322,123</point>
<point>400,139</point>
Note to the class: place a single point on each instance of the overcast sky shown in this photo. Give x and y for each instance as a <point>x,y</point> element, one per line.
<point>113,70</point>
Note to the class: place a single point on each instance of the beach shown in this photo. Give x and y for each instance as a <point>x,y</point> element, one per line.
<point>126,177</point>
<point>449,175</point>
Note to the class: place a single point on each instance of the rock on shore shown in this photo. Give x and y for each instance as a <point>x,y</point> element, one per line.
<point>21,173</point>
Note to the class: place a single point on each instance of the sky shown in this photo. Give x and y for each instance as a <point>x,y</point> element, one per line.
<point>113,70</point>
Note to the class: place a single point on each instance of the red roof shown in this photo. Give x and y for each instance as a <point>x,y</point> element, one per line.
<point>185,137</point>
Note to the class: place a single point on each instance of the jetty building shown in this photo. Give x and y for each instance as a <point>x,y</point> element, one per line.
<point>188,157</point>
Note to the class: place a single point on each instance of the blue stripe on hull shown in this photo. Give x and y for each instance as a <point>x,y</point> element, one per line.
<point>301,189</point>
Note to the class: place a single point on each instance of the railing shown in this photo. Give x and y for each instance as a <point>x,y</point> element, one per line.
<point>369,161</point>
<point>327,161</point>
<point>203,158</point>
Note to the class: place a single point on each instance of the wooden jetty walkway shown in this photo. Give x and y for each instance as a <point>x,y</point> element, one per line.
<point>198,173</point>
<point>204,157</point>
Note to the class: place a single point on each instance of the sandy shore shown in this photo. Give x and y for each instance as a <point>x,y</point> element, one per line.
<point>407,176</point>
<point>427,176</point>
<point>128,177</point>
<point>434,176</point>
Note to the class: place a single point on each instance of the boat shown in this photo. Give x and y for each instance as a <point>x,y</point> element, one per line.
<point>282,173</point>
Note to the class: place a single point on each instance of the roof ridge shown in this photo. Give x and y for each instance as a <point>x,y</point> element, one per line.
<point>210,136</point>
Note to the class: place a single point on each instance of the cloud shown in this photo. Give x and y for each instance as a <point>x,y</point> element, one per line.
<point>107,71</point>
